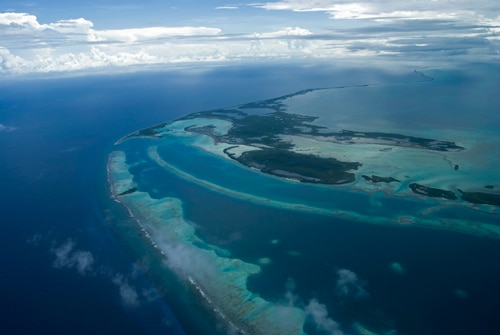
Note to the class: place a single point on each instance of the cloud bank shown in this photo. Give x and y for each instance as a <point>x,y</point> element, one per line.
<point>28,46</point>
<point>350,30</point>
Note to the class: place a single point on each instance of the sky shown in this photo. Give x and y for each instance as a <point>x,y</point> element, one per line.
<point>56,36</point>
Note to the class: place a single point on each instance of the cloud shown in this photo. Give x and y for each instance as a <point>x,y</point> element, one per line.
<point>319,315</point>
<point>382,9</point>
<point>16,20</point>
<point>349,285</point>
<point>4,128</point>
<point>151,33</point>
<point>291,298</point>
<point>316,313</point>
<point>190,261</point>
<point>381,22</point>
<point>36,239</point>
<point>28,46</point>
<point>128,294</point>
<point>84,27</point>
<point>422,30</point>
<point>66,256</point>
<point>227,7</point>
<point>289,31</point>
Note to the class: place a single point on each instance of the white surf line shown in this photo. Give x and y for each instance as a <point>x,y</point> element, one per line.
<point>472,228</point>
<point>228,297</point>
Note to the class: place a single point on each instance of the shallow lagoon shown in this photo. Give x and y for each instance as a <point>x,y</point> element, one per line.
<point>306,250</point>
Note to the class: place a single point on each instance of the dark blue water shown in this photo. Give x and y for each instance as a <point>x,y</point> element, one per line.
<point>447,284</point>
<point>53,179</point>
<point>54,141</point>
<point>53,196</point>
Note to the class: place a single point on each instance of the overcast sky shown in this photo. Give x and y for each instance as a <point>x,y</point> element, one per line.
<point>53,36</point>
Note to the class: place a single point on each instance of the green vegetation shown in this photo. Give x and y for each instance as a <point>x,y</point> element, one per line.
<point>378,179</point>
<point>432,192</point>
<point>481,198</point>
<point>266,129</point>
<point>305,168</point>
<point>399,140</point>
<point>129,191</point>
<point>147,132</point>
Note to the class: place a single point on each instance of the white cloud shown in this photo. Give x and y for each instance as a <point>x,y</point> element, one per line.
<point>66,256</point>
<point>319,315</point>
<point>4,128</point>
<point>80,26</point>
<point>289,31</point>
<point>152,33</point>
<point>350,30</point>
<point>452,19</point>
<point>426,9</point>
<point>227,7</point>
<point>349,285</point>
<point>128,294</point>
<point>15,20</point>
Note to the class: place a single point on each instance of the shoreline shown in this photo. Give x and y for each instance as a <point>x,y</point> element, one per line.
<point>205,293</point>
<point>403,181</point>
<point>462,226</point>
<point>258,312</point>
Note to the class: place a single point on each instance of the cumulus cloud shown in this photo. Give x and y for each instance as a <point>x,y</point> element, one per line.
<point>290,297</point>
<point>316,313</point>
<point>289,31</point>
<point>151,33</point>
<point>16,20</point>
<point>349,285</point>
<point>25,52</point>
<point>190,261</point>
<point>387,28</point>
<point>128,294</point>
<point>382,29</point>
<point>26,45</point>
<point>381,9</point>
<point>67,256</point>
<point>319,315</point>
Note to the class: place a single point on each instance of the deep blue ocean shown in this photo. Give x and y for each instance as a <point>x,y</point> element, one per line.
<point>53,153</point>
<point>67,269</point>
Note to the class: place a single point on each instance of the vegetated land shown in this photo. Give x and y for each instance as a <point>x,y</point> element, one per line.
<point>264,130</point>
<point>432,192</point>
<point>481,198</point>
<point>304,168</point>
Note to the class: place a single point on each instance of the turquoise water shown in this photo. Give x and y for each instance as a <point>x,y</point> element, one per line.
<point>310,249</point>
<point>263,251</point>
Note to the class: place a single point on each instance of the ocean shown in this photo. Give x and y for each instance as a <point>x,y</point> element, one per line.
<point>74,262</point>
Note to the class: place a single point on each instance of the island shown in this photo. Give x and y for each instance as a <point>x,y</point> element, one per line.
<point>432,192</point>
<point>378,179</point>
<point>301,167</point>
<point>263,128</point>
<point>293,158</point>
<point>481,197</point>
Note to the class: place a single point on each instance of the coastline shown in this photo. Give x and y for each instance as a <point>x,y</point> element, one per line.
<point>222,284</point>
<point>436,188</point>
<point>406,220</point>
